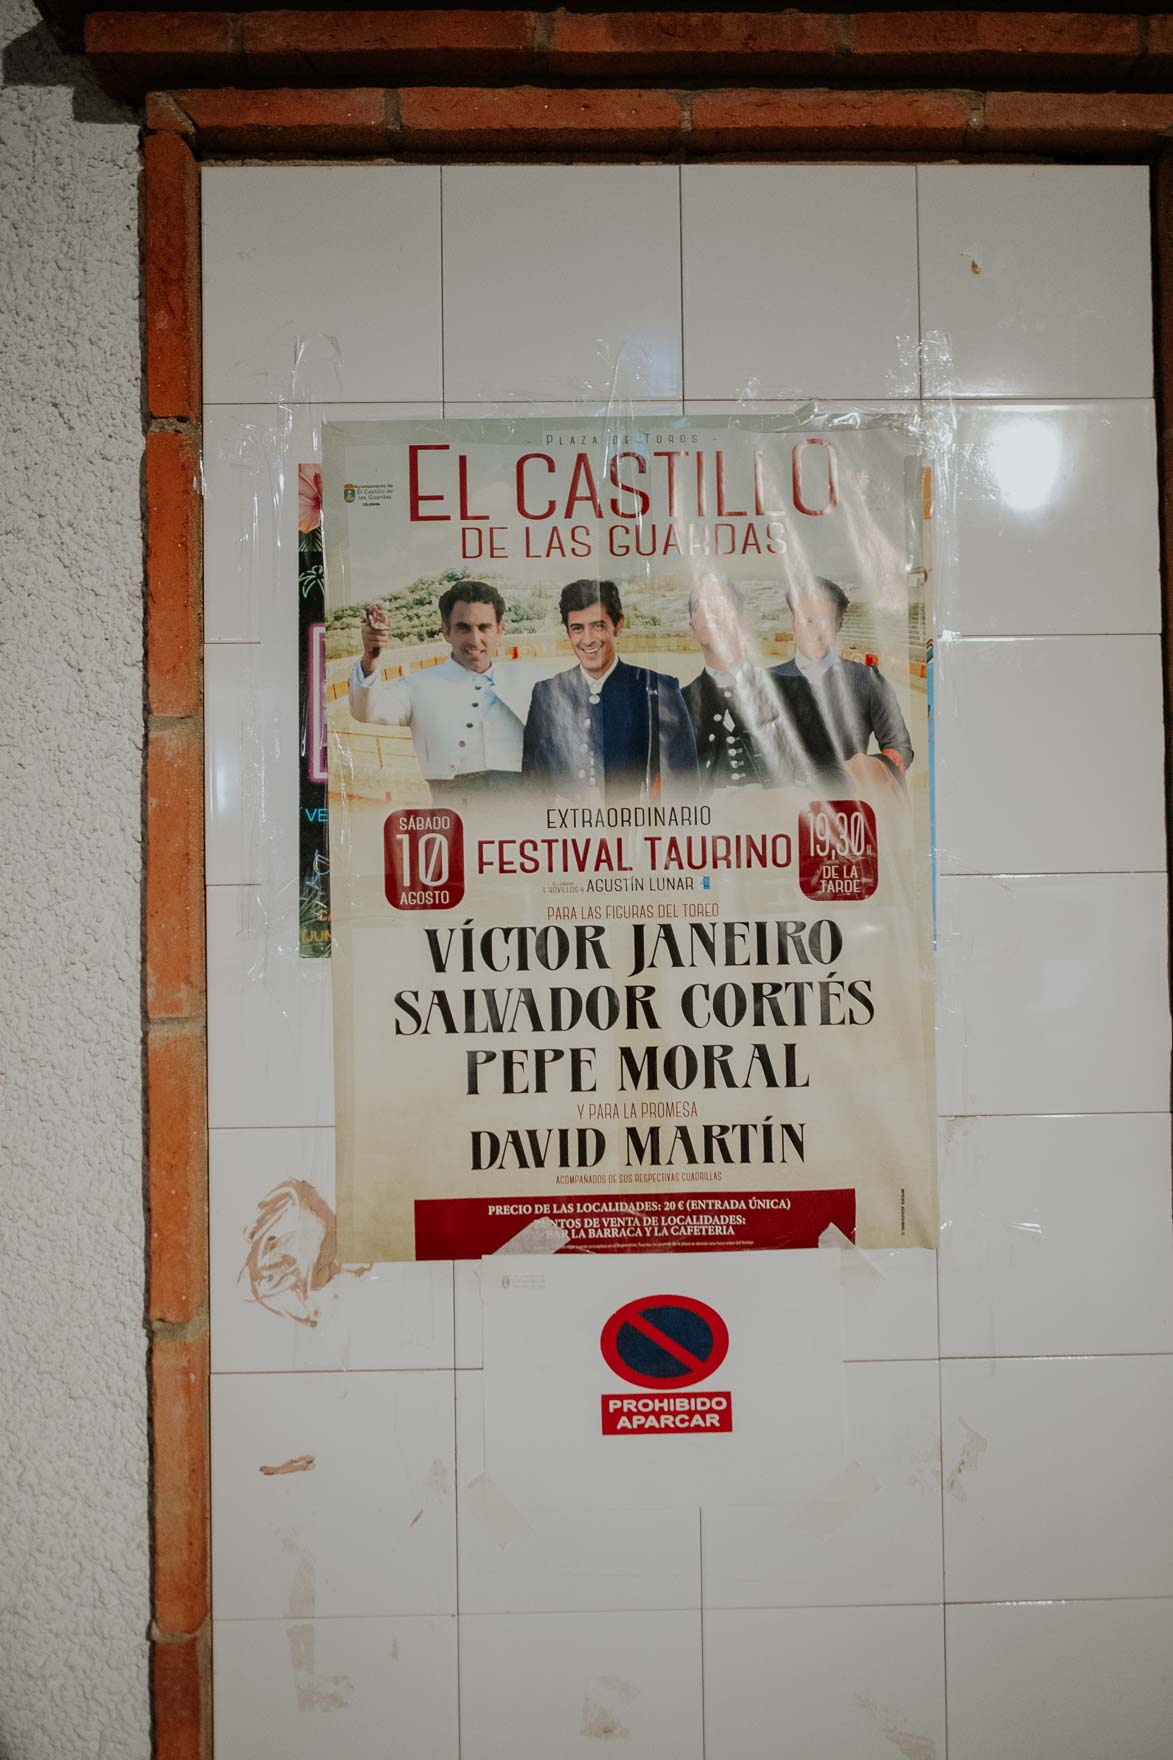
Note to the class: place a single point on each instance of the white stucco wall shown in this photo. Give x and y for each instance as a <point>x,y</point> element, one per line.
<point>74,1605</point>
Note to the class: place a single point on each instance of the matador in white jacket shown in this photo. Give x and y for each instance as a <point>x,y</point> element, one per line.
<point>467,715</point>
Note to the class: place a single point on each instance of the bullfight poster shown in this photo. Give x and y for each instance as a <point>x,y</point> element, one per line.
<point>629,825</point>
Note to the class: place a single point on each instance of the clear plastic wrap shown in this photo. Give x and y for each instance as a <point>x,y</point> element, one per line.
<point>712,883</point>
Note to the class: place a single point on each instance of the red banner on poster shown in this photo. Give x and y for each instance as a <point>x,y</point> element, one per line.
<point>470,1228</point>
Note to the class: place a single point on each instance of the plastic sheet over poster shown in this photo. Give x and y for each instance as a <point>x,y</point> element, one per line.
<point>630,832</point>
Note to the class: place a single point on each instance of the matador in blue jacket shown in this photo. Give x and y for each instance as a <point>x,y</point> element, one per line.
<point>604,730</point>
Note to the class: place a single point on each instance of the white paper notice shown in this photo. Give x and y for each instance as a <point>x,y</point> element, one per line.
<point>663,1380</point>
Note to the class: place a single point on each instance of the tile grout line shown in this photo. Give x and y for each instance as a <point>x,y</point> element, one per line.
<point>1006,873</point>
<point>1101,1112</point>
<point>443,315</point>
<point>456,1513</point>
<point>941,1462</point>
<point>1158,1355</point>
<point>700,1539</point>
<point>284,1619</point>
<point>998,873</point>
<point>920,328</point>
<point>961,399</point>
<point>920,370</point>
<point>680,260</point>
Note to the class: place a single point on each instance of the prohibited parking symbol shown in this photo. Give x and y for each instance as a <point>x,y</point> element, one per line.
<point>665,1341</point>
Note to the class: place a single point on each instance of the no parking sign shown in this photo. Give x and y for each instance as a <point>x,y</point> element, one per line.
<point>665,1343</point>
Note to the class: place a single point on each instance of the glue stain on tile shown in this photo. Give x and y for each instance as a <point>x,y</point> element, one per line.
<point>301,1463</point>
<point>972,1450</point>
<point>315,1692</point>
<point>438,1477</point>
<point>292,1252</point>
<point>912,1746</point>
<point>600,1720</point>
<point>415,1518</point>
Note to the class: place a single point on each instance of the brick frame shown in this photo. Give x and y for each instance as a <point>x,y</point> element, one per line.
<point>411,122</point>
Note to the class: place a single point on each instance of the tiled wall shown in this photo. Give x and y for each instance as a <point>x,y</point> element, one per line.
<point>1010,1400</point>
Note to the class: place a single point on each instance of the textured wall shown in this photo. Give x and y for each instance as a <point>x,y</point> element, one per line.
<point>73,1542</point>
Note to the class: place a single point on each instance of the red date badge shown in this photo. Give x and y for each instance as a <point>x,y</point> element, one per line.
<point>423,859</point>
<point>837,854</point>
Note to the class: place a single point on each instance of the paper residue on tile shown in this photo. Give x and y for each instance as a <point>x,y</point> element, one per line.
<point>303,1590</point>
<point>542,1235</point>
<point>855,1260</point>
<point>314,1692</point>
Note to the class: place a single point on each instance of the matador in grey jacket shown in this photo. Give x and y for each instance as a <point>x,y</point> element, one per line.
<point>836,706</point>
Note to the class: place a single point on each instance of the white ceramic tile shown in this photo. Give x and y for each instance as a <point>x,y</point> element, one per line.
<point>467,1321</point>
<point>1055,1236</point>
<point>1076,1680</point>
<point>1071,1013</point>
<point>889,1303</point>
<point>367,1527</point>
<point>1058,1476</point>
<point>596,409</point>
<point>842,1683</point>
<point>799,280</point>
<point>1036,280</point>
<point>321,281</point>
<point>318,1689</point>
<point>1048,516</point>
<point>279,1298</point>
<point>270,1055</point>
<point>557,1685</point>
<point>561,281</point>
<point>1050,755</point>
<point>252,761</point>
<point>515,1558</point>
<point>871,1535</point>
<point>250,459</point>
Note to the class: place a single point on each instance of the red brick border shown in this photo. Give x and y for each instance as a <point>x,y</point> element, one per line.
<point>175,992</point>
<point>134,52</point>
<point>465,121</point>
<point>421,122</point>
<point>171,250</point>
